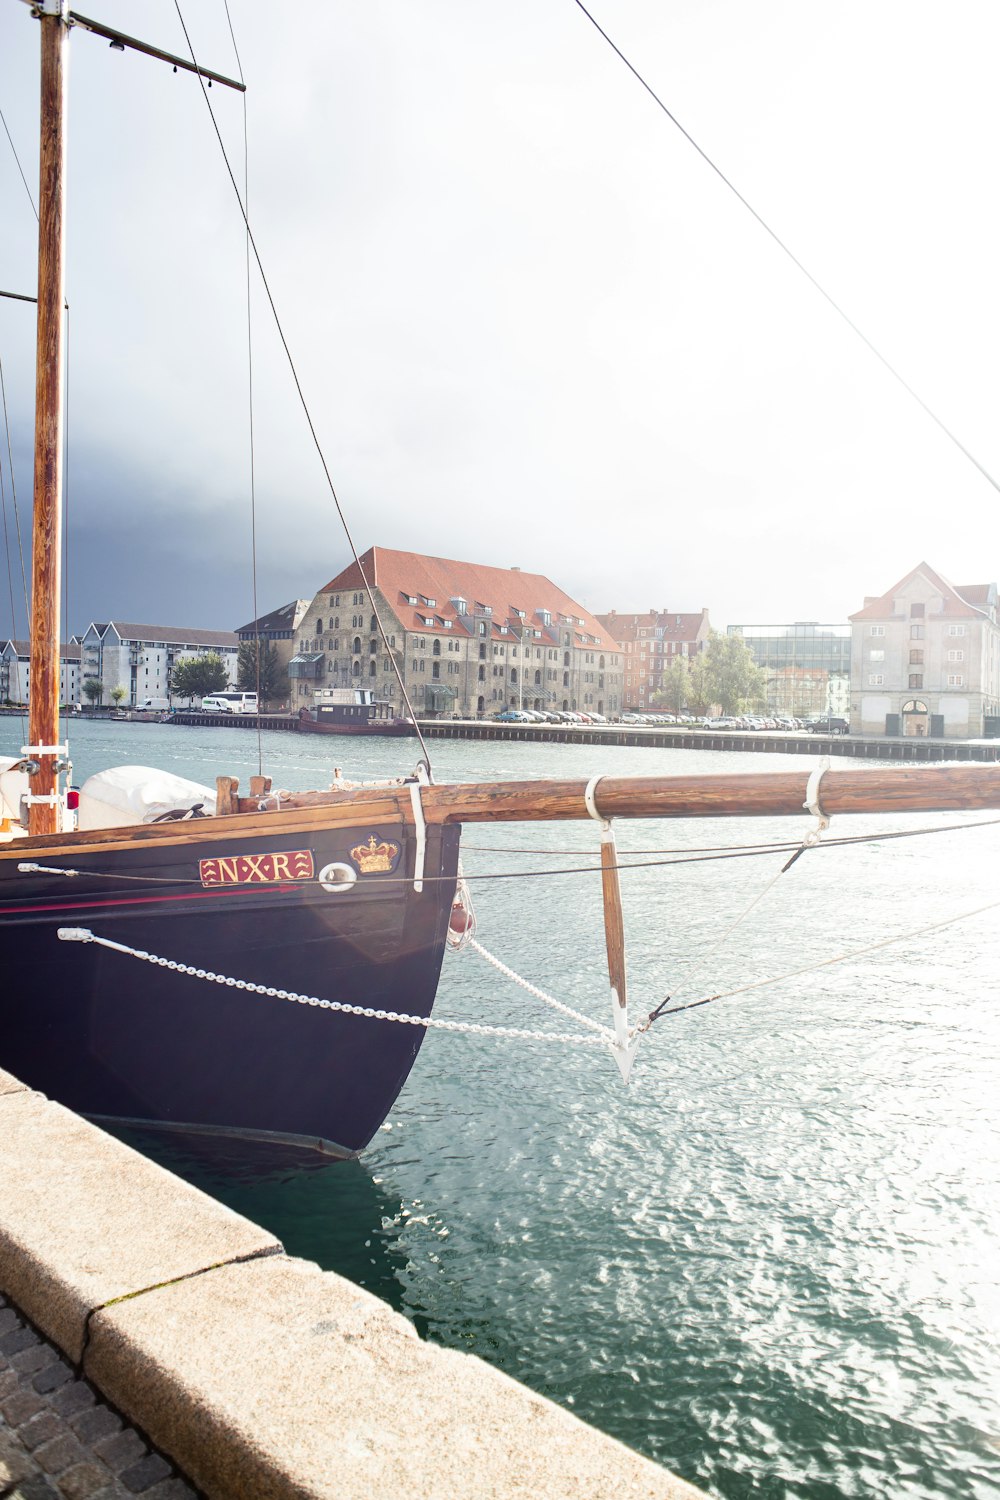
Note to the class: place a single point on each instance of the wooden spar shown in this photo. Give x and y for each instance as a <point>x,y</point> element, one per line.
<point>614,921</point>
<point>43,707</point>
<point>758,794</point>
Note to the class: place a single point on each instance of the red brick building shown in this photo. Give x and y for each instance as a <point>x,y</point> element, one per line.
<point>649,643</point>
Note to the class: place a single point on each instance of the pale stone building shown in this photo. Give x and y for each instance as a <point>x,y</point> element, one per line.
<point>925,659</point>
<point>468,639</point>
<point>279,629</point>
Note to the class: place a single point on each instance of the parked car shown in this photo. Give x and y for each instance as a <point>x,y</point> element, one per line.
<point>831,724</point>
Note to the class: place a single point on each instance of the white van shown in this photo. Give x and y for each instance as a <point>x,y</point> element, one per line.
<point>230,703</point>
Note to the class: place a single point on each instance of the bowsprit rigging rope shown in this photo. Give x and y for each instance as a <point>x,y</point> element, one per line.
<point>786,250</point>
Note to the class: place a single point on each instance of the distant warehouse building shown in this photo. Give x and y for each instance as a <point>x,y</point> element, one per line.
<point>808,666</point>
<point>465,637</point>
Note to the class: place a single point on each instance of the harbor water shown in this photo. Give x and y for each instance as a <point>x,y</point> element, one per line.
<point>771,1262</point>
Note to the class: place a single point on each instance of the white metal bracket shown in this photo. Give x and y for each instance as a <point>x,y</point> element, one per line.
<point>420,825</point>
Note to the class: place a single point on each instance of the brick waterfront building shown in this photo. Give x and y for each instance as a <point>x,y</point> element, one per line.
<point>649,643</point>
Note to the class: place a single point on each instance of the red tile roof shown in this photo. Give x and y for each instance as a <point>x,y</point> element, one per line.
<point>957,602</point>
<point>669,623</point>
<point>402,575</point>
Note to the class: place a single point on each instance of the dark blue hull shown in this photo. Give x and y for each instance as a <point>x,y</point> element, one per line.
<point>111,1036</point>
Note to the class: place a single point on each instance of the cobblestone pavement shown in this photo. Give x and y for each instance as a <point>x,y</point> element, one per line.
<point>58,1441</point>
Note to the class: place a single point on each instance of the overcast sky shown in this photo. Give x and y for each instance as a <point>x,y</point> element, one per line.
<point>533,326</point>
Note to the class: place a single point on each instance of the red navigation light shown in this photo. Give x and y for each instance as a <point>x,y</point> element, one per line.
<point>72,799</point>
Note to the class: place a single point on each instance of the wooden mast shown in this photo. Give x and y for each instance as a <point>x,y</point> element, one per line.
<point>43,708</point>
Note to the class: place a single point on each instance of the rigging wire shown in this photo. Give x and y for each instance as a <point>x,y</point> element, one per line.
<point>301,394</point>
<point>692,857</point>
<point>6,539</point>
<point>17,159</point>
<point>825,963</point>
<point>787,250</point>
<point>253,488</point>
<point>777,847</point>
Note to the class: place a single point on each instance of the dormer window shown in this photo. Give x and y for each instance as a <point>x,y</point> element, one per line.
<point>430,603</point>
<point>410,598</point>
<point>546,616</point>
<point>503,630</point>
<point>427,619</point>
<point>461,605</point>
<point>448,624</point>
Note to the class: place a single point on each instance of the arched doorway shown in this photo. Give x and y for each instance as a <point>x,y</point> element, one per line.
<point>916,720</point>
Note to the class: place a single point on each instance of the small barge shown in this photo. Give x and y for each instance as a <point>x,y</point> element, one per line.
<point>352,711</point>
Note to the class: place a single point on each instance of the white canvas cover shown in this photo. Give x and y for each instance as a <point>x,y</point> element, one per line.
<point>126,795</point>
<point>13,786</point>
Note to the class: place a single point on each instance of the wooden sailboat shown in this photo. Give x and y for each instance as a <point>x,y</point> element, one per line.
<point>344,893</point>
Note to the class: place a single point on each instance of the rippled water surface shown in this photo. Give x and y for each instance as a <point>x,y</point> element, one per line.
<point>771,1262</point>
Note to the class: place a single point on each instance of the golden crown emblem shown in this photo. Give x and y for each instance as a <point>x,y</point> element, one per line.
<point>373,858</point>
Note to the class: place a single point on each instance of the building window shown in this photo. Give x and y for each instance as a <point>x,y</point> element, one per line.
<point>916,632</point>
<point>916,679</point>
<point>916,611</point>
<point>357,645</point>
<point>876,679</point>
<point>876,655</point>
<point>437,648</point>
<point>916,657</point>
<point>956,629</point>
<point>956,655</point>
<point>956,681</point>
<point>435,669</point>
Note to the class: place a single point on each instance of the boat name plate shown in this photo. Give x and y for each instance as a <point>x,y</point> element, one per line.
<point>257,869</point>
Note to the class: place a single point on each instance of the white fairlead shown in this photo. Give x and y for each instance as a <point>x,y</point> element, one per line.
<point>812,802</point>
<point>420,825</point>
<point>591,806</point>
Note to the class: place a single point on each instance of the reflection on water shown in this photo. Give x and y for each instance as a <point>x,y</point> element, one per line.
<point>332,1212</point>
<point>772,1261</point>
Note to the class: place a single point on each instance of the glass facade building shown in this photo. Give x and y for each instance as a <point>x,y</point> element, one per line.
<point>808,665</point>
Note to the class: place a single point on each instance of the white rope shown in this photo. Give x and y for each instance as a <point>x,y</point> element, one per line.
<point>687,980</point>
<point>467,1028</point>
<point>532,989</point>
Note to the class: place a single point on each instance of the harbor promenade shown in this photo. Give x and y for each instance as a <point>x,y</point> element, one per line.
<point>154,1342</point>
<point>665,737</point>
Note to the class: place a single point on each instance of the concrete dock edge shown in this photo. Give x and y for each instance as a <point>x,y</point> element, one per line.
<point>257,1374</point>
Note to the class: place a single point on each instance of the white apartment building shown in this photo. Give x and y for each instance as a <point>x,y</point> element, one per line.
<point>139,658</point>
<point>15,671</point>
<point>925,659</point>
